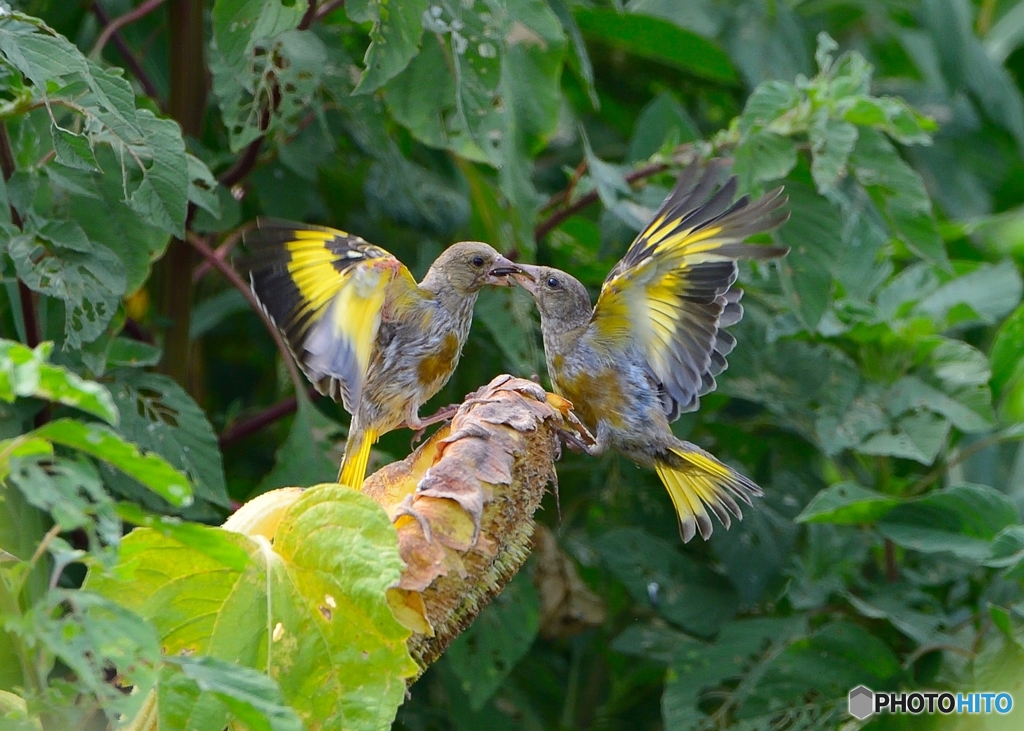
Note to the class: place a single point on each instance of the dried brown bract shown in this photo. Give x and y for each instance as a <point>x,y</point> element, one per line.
<point>463,505</point>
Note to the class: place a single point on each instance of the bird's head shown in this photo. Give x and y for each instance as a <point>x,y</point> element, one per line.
<point>562,300</point>
<point>469,265</point>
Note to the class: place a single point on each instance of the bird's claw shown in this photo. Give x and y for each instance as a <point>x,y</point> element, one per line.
<point>572,441</point>
<point>420,425</point>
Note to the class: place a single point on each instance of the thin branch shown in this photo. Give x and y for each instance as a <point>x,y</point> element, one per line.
<point>130,59</point>
<point>236,280</point>
<point>120,22</point>
<point>221,252</point>
<point>242,428</point>
<point>243,165</point>
<point>892,571</point>
<point>309,16</point>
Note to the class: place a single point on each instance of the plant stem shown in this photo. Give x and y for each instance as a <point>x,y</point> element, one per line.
<point>221,252</point>
<point>244,427</point>
<point>130,59</point>
<point>120,22</point>
<point>187,105</point>
<point>33,335</point>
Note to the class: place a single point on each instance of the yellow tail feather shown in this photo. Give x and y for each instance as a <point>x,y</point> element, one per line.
<point>697,481</point>
<point>357,455</point>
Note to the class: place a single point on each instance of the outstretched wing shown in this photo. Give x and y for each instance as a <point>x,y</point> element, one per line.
<point>672,292</point>
<point>325,291</point>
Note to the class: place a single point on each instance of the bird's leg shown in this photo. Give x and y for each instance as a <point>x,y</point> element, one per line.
<point>413,421</point>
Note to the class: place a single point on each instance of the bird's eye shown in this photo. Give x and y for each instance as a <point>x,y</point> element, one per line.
<point>478,261</point>
<point>553,282</point>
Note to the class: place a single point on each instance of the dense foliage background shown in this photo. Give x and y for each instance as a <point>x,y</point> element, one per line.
<point>877,391</point>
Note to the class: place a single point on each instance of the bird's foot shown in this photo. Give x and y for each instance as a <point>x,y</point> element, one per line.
<point>420,425</point>
<point>573,442</point>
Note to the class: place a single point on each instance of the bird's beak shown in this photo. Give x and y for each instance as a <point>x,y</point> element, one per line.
<point>526,278</point>
<point>499,273</point>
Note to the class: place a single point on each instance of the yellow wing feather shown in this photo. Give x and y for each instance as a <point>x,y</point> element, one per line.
<point>671,292</point>
<point>326,291</point>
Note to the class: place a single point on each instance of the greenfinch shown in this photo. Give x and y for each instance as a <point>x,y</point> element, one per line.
<point>362,329</point>
<point>654,342</point>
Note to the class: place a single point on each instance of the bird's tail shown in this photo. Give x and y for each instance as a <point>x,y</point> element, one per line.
<point>357,455</point>
<point>696,481</point>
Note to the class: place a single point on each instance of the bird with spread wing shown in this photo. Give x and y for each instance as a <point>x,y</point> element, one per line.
<point>362,329</point>
<point>655,341</point>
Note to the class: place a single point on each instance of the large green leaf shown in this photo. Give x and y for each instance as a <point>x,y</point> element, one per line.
<point>739,652</point>
<point>159,416</point>
<point>847,503</point>
<point>961,520</point>
<point>394,40</point>
<point>60,261</point>
<point>825,666</point>
<point>659,40</point>
<point>310,611</point>
<point>25,372</point>
<point>104,444</point>
<point>204,692</point>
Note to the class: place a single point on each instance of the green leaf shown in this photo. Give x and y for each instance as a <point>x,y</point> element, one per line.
<point>807,269</point>
<point>70,491</point>
<point>966,413</point>
<point>917,435</point>
<point>90,634</point>
<point>847,503</point>
<point>658,40</point>
<point>1007,353</point>
<point>25,372</point>
<point>764,156</point>
<point>104,444</point>
<point>394,40</point>
<point>160,417</point>
<point>769,101</point>
<point>238,25</point>
<point>60,261</point>
<point>128,352</point>
<point>739,651</point>
<point>899,194</point>
<point>162,197</point>
<point>990,290</point>
<point>484,655</point>
<point>104,216</point>
<point>663,122</point>
<point>961,520</point>
<point>247,696</point>
<point>830,662</point>
<point>311,610</point>
<point>72,150</point>
<point>832,142</point>
<point>302,458</point>
<point>42,58</point>
<point>656,573</point>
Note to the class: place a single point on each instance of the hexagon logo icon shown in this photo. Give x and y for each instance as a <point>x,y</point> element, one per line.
<point>862,702</point>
